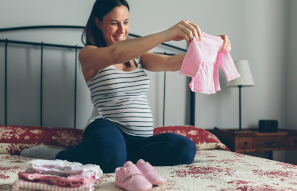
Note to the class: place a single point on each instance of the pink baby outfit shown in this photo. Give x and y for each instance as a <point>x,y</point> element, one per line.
<point>24,185</point>
<point>201,61</point>
<point>58,175</point>
<point>69,181</point>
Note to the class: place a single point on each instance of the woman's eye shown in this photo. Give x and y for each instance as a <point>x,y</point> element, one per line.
<point>114,23</point>
<point>126,23</point>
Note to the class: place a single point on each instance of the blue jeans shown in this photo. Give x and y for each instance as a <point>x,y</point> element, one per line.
<point>106,145</point>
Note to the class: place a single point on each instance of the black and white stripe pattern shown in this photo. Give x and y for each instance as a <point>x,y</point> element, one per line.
<point>120,97</point>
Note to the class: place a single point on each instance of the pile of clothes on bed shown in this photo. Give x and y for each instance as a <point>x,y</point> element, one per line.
<point>57,175</point>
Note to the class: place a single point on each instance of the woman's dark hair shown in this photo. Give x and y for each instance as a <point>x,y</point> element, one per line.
<point>91,34</point>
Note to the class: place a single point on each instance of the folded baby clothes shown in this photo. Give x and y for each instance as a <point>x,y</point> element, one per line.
<point>201,62</point>
<point>58,175</point>
<point>24,185</point>
<point>69,181</point>
<point>64,168</point>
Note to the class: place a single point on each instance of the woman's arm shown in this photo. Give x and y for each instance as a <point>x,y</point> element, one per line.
<point>158,62</point>
<point>94,58</point>
<point>97,58</point>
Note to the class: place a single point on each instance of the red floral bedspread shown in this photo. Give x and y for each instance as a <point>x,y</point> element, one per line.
<point>14,139</point>
<point>211,170</point>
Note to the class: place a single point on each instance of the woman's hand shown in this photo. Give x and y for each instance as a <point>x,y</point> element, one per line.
<point>226,43</point>
<point>183,30</point>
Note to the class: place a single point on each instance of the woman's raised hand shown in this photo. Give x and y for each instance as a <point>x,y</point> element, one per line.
<point>183,30</point>
<point>226,44</point>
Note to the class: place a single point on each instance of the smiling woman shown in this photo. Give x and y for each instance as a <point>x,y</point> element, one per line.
<point>121,126</point>
<point>103,18</point>
<point>115,25</point>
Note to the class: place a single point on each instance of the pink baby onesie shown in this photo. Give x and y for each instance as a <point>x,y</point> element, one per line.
<point>69,181</point>
<point>201,61</point>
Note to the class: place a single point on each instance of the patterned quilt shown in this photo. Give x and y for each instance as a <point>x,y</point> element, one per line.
<point>211,170</point>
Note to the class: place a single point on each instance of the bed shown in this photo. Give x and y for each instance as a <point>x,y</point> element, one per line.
<point>215,167</point>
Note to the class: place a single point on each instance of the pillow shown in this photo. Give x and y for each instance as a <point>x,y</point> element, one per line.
<point>203,139</point>
<point>13,139</point>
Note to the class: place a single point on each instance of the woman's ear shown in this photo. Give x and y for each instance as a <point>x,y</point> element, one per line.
<point>98,23</point>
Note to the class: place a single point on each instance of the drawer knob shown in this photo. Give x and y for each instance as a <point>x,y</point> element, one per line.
<point>246,143</point>
<point>271,143</point>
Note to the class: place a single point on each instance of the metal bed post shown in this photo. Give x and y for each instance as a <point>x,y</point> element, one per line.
<point>192,102</point>
<point>192,105</point>
<point>75,86</point>
<point>6,43</point>
<point>164,98</point>
<point>41,82</point>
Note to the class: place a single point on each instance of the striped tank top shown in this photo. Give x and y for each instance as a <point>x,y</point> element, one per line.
<point>120,97</point>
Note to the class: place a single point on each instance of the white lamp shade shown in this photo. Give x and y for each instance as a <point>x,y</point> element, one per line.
<point>246,77</point>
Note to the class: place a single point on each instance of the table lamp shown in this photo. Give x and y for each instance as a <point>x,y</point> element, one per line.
<point>245,80</point>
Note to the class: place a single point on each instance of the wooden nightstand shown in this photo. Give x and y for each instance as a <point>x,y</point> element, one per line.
<point>250,140</point>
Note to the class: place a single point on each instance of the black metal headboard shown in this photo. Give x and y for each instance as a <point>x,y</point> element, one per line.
<point>76,48</point>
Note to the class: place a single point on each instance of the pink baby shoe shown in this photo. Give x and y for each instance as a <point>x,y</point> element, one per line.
<point>150,172</point>
<point>130,178</point>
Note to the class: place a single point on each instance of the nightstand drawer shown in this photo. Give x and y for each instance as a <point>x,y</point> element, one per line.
<point>293,142</point>
<point>272,142</point>
<point>251,140</point>
<point>244,143</point>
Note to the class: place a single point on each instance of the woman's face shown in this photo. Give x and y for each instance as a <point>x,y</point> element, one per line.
<point>114,25</point>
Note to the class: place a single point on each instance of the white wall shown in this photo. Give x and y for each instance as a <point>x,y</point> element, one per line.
<point>291,77</point>
<point>24,63</point>
<point>258,31</point>
<point>253,40</point>
<point>291,91</point>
